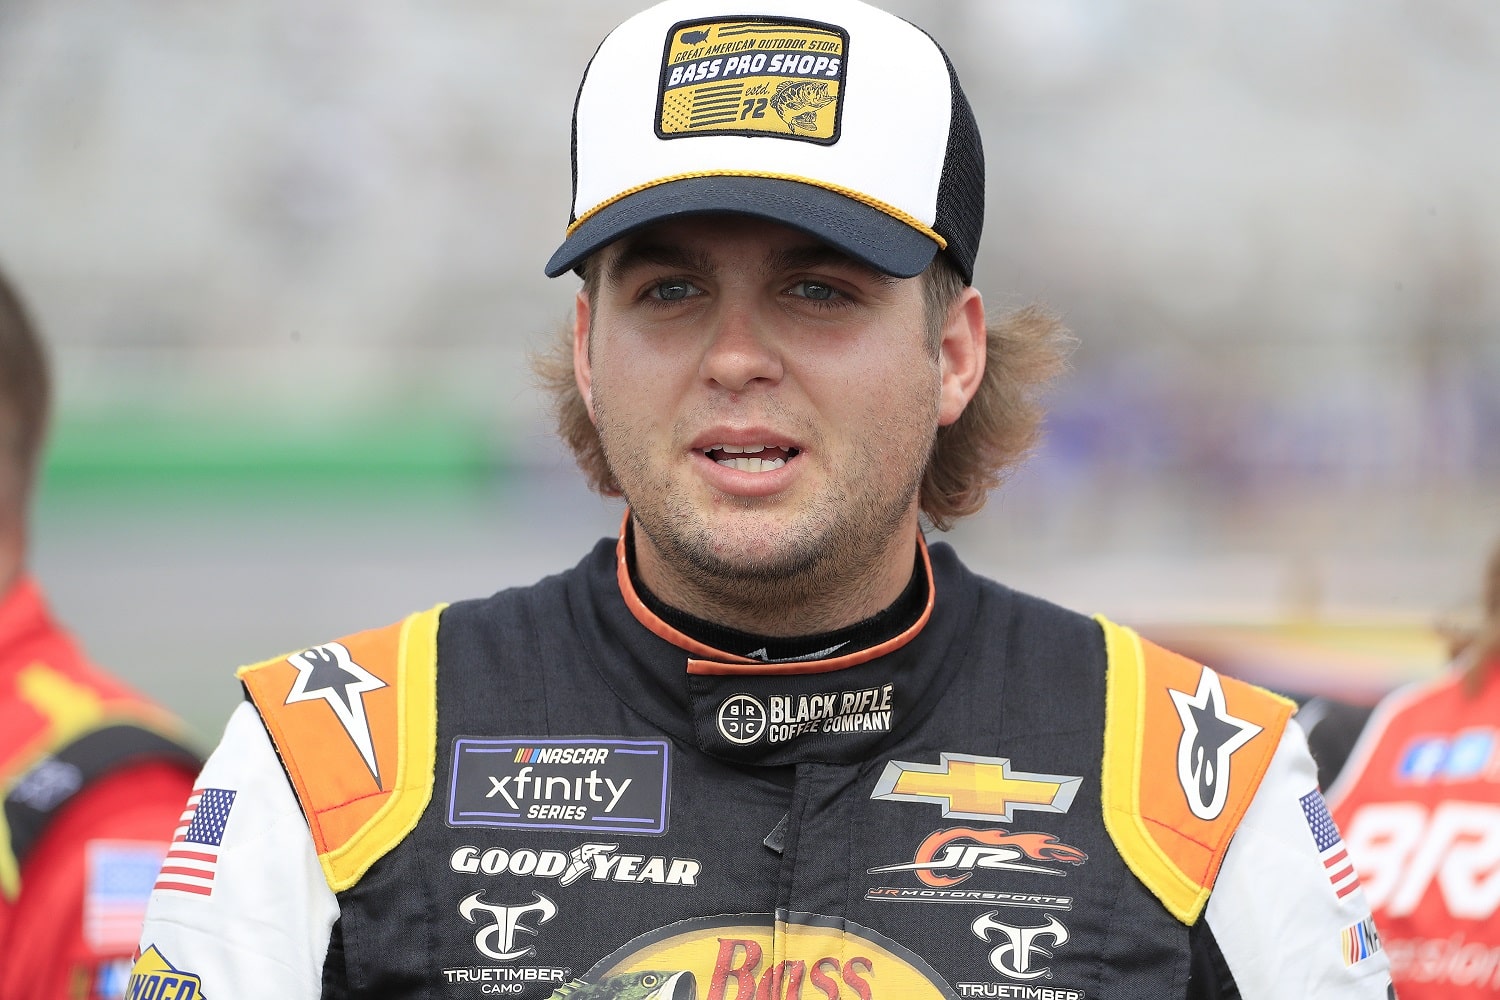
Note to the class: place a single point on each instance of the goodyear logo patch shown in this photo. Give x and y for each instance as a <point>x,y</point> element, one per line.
<point>753,76</point>
<point>154,978</point>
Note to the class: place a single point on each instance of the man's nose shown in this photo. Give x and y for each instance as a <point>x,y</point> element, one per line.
<point>741,348</point>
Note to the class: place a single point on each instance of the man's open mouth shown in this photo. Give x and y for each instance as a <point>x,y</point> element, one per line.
<point>750,457</point>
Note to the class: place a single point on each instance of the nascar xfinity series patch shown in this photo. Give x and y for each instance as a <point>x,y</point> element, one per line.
<point>752,76</point>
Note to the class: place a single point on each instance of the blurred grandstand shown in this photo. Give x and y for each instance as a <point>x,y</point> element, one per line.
<point>289,257</point>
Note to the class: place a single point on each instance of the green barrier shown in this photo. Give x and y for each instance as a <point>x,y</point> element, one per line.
<point>110,455</point>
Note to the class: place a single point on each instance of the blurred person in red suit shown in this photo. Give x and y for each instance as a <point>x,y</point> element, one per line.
<point>94,775</point>
<point>1419,804</point>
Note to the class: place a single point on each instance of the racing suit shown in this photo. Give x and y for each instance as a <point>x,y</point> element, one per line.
<point>94,779</point>
<point>1420,801</point>
<point>556,793</point>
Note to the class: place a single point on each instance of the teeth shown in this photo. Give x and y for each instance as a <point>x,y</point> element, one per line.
<point>746,449</point>
<point>752,464</point>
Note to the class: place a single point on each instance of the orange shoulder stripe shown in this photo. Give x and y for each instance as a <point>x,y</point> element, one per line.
<point>355,724</point>
<point>1172,801</point>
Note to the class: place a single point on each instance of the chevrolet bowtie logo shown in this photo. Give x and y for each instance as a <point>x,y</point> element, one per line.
<point>969,787</point>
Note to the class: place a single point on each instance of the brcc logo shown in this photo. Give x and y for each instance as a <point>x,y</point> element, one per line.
<point>743,719</point>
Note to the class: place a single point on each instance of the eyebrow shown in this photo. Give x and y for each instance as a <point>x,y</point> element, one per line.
<point>816,255</point>
<point>645,252</point>
<point>637,253</point>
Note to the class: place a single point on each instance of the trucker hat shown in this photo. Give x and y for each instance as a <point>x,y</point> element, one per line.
<point>831,116</point>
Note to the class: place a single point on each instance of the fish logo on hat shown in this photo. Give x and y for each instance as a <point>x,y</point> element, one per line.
<point>752,76</point>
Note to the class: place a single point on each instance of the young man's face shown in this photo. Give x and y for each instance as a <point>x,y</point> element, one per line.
<point>767,405</point>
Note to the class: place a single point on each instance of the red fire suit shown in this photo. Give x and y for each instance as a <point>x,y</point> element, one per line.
<point>1419,804</point>
<point>95,780</point>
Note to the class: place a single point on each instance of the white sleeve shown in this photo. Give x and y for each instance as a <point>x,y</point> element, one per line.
<point>1276,911</point>
<point>241,897</point>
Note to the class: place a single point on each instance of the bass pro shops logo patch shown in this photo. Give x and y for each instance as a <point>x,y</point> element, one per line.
<point>751,955</point>
<point>752,76</point>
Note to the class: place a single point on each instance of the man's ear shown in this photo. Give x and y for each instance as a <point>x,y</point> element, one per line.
<point>963,350</point>
<point>583,372</point>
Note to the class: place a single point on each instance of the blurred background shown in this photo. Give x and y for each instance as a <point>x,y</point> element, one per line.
<point>288,259</point>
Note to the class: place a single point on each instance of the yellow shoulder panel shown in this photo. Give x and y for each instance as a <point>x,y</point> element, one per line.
<point>355,723</point>
<point>1184,751</point>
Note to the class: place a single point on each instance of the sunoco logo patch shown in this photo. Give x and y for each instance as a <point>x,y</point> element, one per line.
<point>156,978</point>
<point>577,783</point>
<point>752,76</point>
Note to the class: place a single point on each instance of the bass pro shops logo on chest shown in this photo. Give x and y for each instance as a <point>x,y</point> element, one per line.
<point>574,783</point>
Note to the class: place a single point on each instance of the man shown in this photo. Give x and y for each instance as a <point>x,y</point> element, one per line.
<point>1420,797</point>
<point>93,775</point>
<point>768,743</point>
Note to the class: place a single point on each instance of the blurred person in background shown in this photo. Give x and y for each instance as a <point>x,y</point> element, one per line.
<point>768,742</point>
<point>1419,801</point>
<point>1332,725</point>
<point>94,776</point>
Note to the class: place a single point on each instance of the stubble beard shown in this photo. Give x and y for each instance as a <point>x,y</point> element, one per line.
<point>796,576</point>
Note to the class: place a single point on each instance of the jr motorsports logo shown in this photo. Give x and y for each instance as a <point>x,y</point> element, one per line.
<point>744,719</point>
<point>574,783</point>
<point>948,858</point>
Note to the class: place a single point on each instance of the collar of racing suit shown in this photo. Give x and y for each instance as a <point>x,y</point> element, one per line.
<point>837,709</point>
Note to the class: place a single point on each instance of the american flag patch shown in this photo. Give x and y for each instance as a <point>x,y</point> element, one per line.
<point>1360,941</point>
<point>120,873</point>
<point>1336,863</point>
<point>194,853</point>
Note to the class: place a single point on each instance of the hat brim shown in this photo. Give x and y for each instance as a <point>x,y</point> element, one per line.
<point>867,234</point>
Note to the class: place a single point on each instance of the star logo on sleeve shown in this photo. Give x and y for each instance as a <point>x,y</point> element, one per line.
<point>1210,736</point>
<point>329,673</point>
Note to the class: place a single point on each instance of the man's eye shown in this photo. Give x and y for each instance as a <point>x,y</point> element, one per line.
<point>815,290</point>
<point>673,291</point>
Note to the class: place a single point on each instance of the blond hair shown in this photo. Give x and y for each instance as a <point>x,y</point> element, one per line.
<point>1026,350</point>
